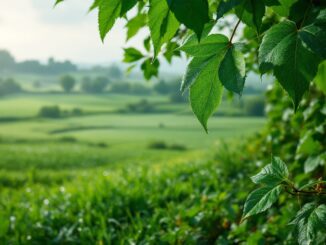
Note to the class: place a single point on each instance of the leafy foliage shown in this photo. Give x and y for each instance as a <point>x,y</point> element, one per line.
<point>282,37</point>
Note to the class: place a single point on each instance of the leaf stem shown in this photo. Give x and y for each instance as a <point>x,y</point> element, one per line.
<point>234,30</point>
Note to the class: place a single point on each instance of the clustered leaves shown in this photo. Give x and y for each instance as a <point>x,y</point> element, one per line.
<point>285,38</point>
<point>274,177</point>
<point>289,36</point>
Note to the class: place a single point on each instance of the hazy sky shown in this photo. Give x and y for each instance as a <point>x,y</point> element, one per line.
<point>33,29</point>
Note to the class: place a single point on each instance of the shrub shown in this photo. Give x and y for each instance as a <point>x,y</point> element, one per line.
<point>67,83</point>
<point>50,112</point>
<point>142,106</point>
<point>9,86</point>
<point>98,85</point>
<point>68,139</point>
<point>178,147</point>
<point>158,145</point>
<point>255,107</point>
<point>76,111</point>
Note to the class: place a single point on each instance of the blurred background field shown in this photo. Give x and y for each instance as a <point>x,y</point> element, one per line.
<point>80,160</point>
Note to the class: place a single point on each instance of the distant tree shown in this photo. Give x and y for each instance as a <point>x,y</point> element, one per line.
<point>30,66</point>
<point>7,61</point>
<point>171,87</point>
<point>140,89</point>
<point>120,87</point>
<point>98,85</point>
<point>9,86</point>
<point>67,83</point>
<point>50,111</point>
<point>162,87</point>
<point>86,84</point>
<point>255,106</point>
<point>115,72</point>
<point>142,106</point>
<point>177,97</point>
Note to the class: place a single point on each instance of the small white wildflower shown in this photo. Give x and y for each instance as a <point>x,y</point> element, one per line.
<point>12,219</point>
<point>62,189</point>
<point>29,237</point>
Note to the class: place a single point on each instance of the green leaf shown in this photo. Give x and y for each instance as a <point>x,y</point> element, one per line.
<point>272,2</point>
<point>283,9</point>
<point>162,24</point>
<point>313,162</point>
<point>57,2</point>
<point>171,50</point>
<point>312,184</point>
<point>314,38</point>
<point>109,11</point>
<point>135,24</point>
<point>206,89</point>
<point>307,145</point>
<point>132,55</point>
<point>149,68</point>
<point>208,46</point>
<point>126,5</point>
<point>321,77</point>
<point>310,220</point>
<point>194,68</point>
<point>272,174</point>
<point>232,71</point>
<point>94,5</point>
<point>192,13</point>
<point>294,65</point>
<point>251,12</point>
<point>225,6</point>
<point>260,200</point>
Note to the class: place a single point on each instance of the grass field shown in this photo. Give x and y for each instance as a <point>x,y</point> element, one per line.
<point>106,176</point>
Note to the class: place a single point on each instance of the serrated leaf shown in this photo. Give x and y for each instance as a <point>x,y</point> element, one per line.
<point>162,24</point>
<point>208,46</point>
<point>309,221</point>
<point>294,65</point>
<point>135,24</point>
<point>109,11</point>
<point>260,200</point>
<point>132,55</point>
<point>232,71</point>
<point>272,174</point>
<point>171,51</point>
<point>94,5</point>
<point>194,68</point>
<point>225,6</point>
<point>206,90</point>
<point>314,38</point>
<point>192,13</point>
<point>126,5</point>
<point>149,68</point>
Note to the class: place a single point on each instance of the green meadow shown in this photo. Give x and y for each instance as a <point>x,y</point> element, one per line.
<point>105,174</point>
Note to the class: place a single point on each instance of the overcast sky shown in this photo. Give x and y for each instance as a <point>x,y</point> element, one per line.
<point>33,29</point>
